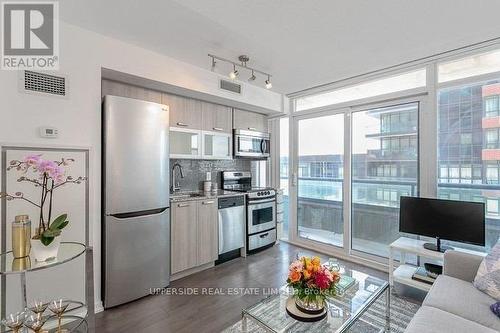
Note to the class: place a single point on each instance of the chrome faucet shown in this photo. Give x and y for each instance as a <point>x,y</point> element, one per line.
<point>174,187</point>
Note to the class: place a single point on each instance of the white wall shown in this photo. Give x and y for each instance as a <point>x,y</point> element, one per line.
<point>82,55</point>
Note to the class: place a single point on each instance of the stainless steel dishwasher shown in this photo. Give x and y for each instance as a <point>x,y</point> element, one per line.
<point>232,222</point>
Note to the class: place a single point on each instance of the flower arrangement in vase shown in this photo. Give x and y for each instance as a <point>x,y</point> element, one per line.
<point>48,176</point>
<point>311,283</point>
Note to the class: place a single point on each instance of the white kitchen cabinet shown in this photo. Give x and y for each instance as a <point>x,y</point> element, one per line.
<point>216,118</point>
<point>216,145</point>
<point>184,242</point>
<point>194,234</point>
<point>251,121</point>
<point>185,143</point>
<point>184,112</point>
<point>207,231</point>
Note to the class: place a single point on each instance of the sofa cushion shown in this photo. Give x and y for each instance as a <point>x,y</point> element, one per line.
<point>462,299</point>
<point>433,320</point>
<point>488,275</point>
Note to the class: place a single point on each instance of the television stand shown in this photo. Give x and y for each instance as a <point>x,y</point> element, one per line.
<point>401,271</point>
<point>437,247</point>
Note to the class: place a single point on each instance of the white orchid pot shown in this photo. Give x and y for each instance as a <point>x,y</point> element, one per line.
<point>42,253</point>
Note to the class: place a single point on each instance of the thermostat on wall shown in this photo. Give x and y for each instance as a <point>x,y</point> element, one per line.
<point>48,132</point>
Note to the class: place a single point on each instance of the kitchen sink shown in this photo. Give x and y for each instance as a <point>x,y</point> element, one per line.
<point>187,195</point>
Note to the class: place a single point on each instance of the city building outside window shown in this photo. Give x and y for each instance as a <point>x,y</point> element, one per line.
<point>468,148</point>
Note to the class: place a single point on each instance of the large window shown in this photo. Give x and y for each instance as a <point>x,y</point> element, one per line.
<point>385,167</point>
<point>469,167</point>
<point>320,195</point>
<point>284,164</point>
<point>381,116</point>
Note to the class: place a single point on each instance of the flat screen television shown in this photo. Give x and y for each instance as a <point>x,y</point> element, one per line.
<point>458,221</point>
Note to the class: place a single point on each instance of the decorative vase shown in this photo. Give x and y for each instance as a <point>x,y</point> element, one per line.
<point>309,305</point>
<point>43,253</point>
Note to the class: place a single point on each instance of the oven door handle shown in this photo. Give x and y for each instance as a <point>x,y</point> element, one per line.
<point>251,202</point>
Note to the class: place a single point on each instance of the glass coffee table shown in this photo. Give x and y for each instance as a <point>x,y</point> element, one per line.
<point>343,310</point>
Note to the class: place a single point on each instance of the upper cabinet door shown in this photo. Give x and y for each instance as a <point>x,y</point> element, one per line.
<point>216,118</point>
<point>250,121</point>
<point>184,112</point>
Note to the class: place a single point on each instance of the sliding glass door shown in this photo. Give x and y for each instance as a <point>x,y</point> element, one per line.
<point>320,174</point>
<point>384,159</point>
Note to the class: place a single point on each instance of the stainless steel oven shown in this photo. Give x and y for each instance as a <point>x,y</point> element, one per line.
<point>261,209</point>
<point>261,214</point>
<point>251,144</point>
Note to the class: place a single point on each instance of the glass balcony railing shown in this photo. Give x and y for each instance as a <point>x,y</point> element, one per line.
<point>375,209</point>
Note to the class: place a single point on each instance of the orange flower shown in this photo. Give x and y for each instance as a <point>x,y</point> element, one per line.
<point>294,276</point>
<point>307,274</point>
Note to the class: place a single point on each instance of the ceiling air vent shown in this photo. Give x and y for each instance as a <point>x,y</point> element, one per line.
<point>230,86</point>
<point>44,83</point>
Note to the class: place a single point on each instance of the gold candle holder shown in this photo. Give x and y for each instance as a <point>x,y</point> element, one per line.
<point>21,236</point>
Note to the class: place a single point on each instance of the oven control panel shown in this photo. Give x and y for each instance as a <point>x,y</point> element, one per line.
<point>261,194</point>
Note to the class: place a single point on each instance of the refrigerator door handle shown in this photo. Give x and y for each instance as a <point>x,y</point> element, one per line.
<point>150,212</point>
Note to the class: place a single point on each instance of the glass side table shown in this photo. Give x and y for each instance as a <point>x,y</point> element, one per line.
<point>76,315</point>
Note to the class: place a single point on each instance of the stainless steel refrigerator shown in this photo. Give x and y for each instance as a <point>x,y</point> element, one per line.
<point>136,221</point>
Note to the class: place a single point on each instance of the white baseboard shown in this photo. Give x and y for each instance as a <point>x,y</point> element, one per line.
<point>98,307</point>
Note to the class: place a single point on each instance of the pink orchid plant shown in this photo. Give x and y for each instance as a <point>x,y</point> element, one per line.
<point>48,176</point>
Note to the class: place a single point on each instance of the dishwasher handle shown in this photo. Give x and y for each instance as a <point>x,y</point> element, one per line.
<point>229,202</point>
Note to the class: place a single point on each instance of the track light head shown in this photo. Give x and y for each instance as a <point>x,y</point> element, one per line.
<point>213,64</point>
<point>234,74</point>
<point>253,77</point>
<point>269,85</point>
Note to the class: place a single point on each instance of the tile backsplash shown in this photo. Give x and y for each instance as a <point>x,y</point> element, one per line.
<point>195,171</point>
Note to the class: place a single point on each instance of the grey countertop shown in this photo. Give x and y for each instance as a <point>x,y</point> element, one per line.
<point>200,195</point>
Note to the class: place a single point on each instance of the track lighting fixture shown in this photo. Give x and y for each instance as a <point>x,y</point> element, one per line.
<point>269,85</point>
<point>234,74</point>
<point>243,59</point>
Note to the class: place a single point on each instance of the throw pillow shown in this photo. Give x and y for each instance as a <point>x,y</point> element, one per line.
<point>488,275</point>
<point>495,307</point>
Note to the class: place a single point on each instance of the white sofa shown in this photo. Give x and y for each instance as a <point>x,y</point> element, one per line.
<point>453,304</point>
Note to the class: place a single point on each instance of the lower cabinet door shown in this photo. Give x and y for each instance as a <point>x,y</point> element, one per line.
<point>184,248</point>
<point>207,231</point>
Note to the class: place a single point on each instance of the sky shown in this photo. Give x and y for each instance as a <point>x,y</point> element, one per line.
<point>325,135</point>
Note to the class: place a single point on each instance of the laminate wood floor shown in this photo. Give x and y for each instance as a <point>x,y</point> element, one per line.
<point>210,313</point>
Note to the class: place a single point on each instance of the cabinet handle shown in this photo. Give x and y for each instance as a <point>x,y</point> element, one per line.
<point>252,128</point>
<point>182,124</point>
<point>183,205</point>
<point>208,202</point>
<point>264,235</point>
<point>218,129</point>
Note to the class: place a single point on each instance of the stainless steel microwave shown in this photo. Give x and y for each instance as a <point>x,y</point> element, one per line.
<point>251,144</point>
